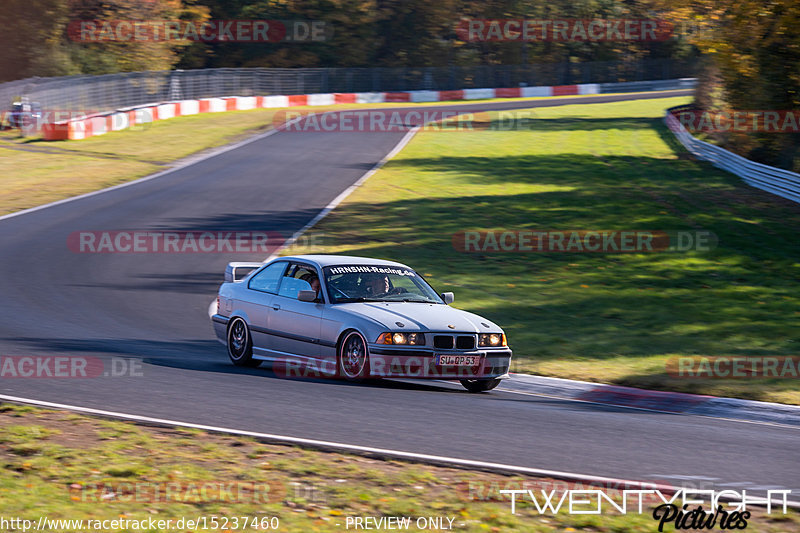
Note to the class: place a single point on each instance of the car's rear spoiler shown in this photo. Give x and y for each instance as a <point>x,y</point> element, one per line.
<point>238,271</point>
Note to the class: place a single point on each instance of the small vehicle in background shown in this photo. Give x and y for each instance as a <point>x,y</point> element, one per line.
<point>25,115</point>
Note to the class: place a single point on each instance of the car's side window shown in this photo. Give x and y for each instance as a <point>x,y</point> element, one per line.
<point>297,278</point>
<point>291,287</point>
<point>267,280</point>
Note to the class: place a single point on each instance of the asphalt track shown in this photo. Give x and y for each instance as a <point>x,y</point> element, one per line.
<point>153,307</point>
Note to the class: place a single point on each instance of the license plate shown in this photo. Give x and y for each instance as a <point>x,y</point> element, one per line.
<point>458,360</point>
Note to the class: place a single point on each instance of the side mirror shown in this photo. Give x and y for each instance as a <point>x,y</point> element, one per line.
<point>307,296</point>
<point>448,297</point>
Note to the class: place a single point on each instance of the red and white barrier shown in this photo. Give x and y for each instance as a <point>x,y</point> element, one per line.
<point>478,94</point>
<point>213,105</point>
<point>86,127</point>
<point>96,126</point>
<point>424,96</point>
<point>119,121</point>
<point>321,99</point>
<point>530,92</point>
<point>279,101</point>
<point>188,107</point>
<point>370,98</point>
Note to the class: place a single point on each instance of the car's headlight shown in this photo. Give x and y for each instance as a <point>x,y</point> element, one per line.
<point>415,339</point>
<point>491,340</point>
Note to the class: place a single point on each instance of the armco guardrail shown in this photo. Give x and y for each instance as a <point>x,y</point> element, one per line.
<point>83,127</point>
<point>777,181</point>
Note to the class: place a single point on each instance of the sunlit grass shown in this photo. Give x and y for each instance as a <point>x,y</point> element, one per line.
<point>599,317</point>
<point>33,172</point>
<point>58,475</point>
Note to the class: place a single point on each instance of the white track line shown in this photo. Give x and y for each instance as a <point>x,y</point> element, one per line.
<point>360,450</point>
<point>191,160</point>
<point>432,459</point>
<point>347,192</point>
<point>399,146</point>
<point>327,445</point>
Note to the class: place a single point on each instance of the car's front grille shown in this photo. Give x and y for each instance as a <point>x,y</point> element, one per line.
<point>444,342</point>
<point>448,342</point>
<point>464,342</point>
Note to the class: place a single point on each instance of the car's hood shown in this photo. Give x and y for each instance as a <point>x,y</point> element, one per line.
<point>421,317</point>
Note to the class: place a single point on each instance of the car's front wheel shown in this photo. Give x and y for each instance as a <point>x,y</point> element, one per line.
<point>353,357</point>
<point>480,385</point>
<point>240,344</point>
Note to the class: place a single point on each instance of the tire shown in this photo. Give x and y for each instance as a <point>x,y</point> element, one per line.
<point>352,359</point>
<point>240,344</point>
<point>480,385</point>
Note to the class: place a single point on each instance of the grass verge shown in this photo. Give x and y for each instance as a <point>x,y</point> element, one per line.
<point>53,463</point>
<point>615,318</point>
<point>36,172</point>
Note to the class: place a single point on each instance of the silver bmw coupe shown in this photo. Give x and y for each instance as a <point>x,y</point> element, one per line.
<point>354,318</point>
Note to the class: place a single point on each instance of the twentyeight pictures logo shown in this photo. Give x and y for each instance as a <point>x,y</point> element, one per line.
<point>682,508</point>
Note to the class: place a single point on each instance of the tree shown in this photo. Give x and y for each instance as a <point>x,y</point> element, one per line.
<point>36,41</point>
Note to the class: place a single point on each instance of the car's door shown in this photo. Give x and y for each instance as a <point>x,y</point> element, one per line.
<point>295,325</point>
<point>262,289</point>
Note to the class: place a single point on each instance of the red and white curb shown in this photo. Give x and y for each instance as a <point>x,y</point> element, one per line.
<point>83,127</point>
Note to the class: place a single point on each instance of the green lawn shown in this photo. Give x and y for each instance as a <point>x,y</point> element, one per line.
<point>55,463</point>
<point>36,172</point>
<point>613,318</point>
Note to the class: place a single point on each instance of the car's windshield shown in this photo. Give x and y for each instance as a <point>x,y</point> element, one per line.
<point>377,283</point>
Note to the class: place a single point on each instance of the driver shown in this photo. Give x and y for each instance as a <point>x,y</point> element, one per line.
<point>312,280</point>
<point>377,285</point>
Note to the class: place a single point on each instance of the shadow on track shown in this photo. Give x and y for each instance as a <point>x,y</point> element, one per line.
<point>198,356</point>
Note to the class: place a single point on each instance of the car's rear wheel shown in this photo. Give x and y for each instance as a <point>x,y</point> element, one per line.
<point>240,344</point>
<point>353,357</point>
<point>480,385</point>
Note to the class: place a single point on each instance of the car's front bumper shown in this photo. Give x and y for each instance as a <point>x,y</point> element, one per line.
<point>421,363</point>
